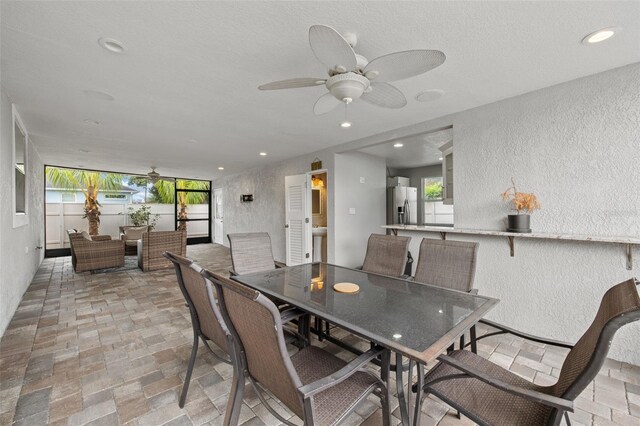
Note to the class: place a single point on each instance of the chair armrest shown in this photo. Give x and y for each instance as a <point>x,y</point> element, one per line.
<point>505,329</point>
<point>279,265</point>
<point>340,375</point>
<point>532,395</point>
<point>101,238</point>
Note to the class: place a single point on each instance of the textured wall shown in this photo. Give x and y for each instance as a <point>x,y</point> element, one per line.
<point>577,146</point>
<point>368,199</point>
<point>17,267</point>
<point>267,211</point>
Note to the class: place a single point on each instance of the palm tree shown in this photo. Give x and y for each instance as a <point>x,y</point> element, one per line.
<point>90,183</point>
<point>166,192</point>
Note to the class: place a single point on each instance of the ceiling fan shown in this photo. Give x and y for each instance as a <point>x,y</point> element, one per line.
<point>155,176</point>
<point>352,76</point>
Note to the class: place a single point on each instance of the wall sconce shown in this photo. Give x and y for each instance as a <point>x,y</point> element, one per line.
<point>246,198</point>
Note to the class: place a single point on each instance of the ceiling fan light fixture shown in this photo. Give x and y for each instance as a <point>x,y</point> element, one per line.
<point>371,74</point>
<point>348,85</point>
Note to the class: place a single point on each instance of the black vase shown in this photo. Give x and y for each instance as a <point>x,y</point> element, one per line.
<point>519,223</point>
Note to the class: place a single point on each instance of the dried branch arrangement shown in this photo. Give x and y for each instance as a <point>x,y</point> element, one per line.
<point>521,201</point>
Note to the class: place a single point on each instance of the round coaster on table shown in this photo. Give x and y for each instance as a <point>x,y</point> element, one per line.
<point>348,288</point>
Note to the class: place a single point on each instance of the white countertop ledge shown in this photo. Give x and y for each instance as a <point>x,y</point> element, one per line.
<point>539,235</point>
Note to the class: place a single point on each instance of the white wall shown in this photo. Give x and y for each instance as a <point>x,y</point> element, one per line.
<point>17,268</point>
<point>368,198</point>
<point>577,146</point>
<point>266,213</point>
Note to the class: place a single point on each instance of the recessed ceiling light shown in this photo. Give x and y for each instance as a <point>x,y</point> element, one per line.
<point>600,35</point>
<point>91,122</point>
<point>345,124</point>
<point>397,336</point>
<point>429,95</point>
<point>398,145</point>
<point>263,153</point>
<point>111,44</point>
<point>440,158</point>
<point>220,168</point>
<point>98,94</point>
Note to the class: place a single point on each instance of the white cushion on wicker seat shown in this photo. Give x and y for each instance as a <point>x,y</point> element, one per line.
<point>134,233</point>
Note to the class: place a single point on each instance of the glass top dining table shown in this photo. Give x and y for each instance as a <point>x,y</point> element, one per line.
<point>417,320</point>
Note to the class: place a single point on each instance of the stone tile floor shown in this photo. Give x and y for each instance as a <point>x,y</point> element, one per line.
<point>112,348</point>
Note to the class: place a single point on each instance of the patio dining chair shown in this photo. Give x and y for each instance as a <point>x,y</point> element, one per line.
<point>206,320</point>
<point>491,395</point>
<point>386,255</point>
<point>317,386</point>
<point>251,252</point>
<point>449,264</point>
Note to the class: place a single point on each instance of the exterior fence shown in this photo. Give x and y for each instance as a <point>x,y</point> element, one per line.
<point>63,216</point>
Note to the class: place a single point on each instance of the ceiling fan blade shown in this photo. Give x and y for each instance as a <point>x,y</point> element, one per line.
<point>331,48</point>
<point>401,65</point>
<point>293,83</point>
<point>384,95</point>
<point>325,103</point>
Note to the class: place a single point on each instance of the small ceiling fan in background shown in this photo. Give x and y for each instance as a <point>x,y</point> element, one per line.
<point>352,76</point>
<point>154,176</point>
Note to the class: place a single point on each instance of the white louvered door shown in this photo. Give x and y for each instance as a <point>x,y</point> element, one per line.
<point>298,219</point>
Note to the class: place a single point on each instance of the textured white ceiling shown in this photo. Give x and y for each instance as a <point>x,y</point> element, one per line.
<point>191,71</point>
<point>418,150</point>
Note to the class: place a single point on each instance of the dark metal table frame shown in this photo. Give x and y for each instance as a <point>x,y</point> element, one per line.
<point>410,408</point>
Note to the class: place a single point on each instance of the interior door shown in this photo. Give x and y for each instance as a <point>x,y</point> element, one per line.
<point>298,219</point>
<point>218,233</point>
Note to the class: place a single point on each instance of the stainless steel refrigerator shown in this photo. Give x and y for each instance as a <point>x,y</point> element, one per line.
<point>402,205</point>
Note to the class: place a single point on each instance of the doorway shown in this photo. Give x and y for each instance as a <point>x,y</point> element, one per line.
<point>218,232</point>
<point>306,217</point>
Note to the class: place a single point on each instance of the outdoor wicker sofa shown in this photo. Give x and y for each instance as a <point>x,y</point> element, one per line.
<point>98,252</point>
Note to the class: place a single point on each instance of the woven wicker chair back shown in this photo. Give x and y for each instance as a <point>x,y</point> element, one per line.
<point>255,323</point>
<point>619,306</point>
<point>449,264</point>
<point>251,252</point>
<point>386,255</point>
<point>196,293</point>
<point>154,244</point>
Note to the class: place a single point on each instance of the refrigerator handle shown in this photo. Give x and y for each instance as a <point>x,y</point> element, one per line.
<point>407,212</point>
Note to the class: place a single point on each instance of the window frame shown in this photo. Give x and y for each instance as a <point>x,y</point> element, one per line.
<point>424,187</point>
<point>19,218</point>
